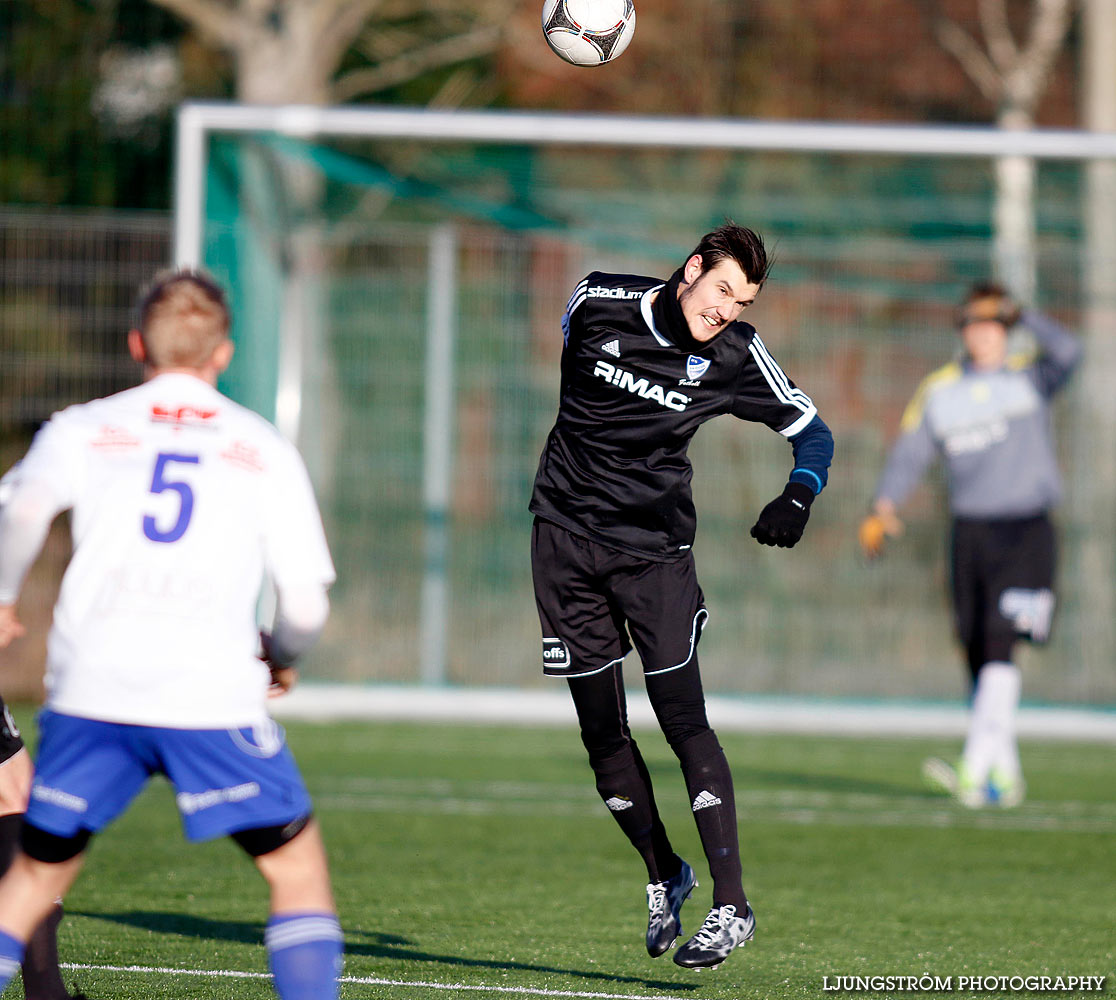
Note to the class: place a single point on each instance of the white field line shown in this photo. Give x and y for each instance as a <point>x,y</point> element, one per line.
<point>366,981</point>
<point>806,808</point>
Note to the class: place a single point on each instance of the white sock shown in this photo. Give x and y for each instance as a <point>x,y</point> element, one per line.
<point>991,742</point>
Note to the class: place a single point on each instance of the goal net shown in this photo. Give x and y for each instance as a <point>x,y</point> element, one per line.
<point>398,279</point>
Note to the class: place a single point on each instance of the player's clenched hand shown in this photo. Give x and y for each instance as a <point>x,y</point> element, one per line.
<point>875,529</point>
<point>10,625</point>
<point>782,521</point>
<point>283,678</point>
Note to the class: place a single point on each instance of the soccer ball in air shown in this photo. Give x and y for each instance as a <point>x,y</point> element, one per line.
<point>588,32</point>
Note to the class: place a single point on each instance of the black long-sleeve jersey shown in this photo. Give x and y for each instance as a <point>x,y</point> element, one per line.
<point>615,467</point>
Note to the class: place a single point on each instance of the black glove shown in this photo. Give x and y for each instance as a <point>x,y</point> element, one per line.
<point>781,522</point>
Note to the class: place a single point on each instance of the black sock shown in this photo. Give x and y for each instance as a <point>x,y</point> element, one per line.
<point>709,783</point>
<point>622,778</point>
<point>42,979</point>
<point>625,787</point>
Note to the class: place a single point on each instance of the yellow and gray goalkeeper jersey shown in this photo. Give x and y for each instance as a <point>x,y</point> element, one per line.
<point>992,430</point>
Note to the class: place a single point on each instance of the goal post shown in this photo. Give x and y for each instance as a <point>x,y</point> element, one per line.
<point>198,119</point>
<point>397,276</point>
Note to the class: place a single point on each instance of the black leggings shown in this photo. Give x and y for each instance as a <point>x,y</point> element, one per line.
<point>624,783</point>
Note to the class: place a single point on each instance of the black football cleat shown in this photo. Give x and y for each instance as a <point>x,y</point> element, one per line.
<point>664,902</point>
<point>722,932</point>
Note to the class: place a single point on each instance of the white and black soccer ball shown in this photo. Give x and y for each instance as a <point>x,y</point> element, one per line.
<point>588,32</point>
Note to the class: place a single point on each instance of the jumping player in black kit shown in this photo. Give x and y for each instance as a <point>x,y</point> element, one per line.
<point>645,363</point>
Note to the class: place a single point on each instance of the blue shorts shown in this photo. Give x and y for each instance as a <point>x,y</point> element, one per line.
<point>88,772</point>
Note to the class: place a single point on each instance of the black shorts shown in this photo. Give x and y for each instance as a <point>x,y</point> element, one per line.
<point>590,598</point>
<point>10,741</point>
<point>1003,584</point>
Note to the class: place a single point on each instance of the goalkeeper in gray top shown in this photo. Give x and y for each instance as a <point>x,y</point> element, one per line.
<point>987,415</point>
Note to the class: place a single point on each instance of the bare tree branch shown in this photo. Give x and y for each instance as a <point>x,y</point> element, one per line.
<point>343,26</point>
<point>973,59</point>
<point>1013,78</point>
<point>453,93</point>
<point>406,67</point>
<point>1049,25</point>
<point>997,35</point>
<point>215,20</point>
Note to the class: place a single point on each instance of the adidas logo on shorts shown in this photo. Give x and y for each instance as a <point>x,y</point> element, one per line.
<point>617,804</point>
<point>612,347</point>
<point>704,800</point>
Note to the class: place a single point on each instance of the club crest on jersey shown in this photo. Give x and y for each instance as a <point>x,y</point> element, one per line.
<point>641,387</point>
<point>696,367</point>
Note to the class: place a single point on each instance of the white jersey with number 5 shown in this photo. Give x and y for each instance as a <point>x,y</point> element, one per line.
<point>181,501</point>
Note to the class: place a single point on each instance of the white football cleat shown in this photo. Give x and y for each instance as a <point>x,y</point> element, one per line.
<point>722,933</point>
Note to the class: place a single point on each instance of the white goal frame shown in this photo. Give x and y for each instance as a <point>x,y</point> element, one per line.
<point>197,119</point>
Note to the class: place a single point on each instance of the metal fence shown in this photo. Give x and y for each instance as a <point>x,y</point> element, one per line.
<point>68,283</point>
<point>813,621</point>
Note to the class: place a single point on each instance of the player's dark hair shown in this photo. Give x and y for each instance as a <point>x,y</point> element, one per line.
<point>984,290</point>
<point>166,282</point>
<point>738,243</point>
<point>182,316</point>
<point>987,300</point>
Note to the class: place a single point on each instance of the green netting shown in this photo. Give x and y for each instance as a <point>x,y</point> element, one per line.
<point>327,248</point>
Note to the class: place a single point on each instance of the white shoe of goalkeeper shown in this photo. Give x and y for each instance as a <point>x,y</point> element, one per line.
<point>1005,790</point>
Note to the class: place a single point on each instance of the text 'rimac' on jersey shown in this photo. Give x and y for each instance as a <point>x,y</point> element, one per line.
<point>614,467</point>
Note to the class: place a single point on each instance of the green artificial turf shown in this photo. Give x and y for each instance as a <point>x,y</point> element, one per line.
<point>471,861</point>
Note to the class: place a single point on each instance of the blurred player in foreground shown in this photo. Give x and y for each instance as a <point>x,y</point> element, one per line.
<point>182,501</point>
<point>988,417</point>
<point>42,979</point>
<point>645,363</point>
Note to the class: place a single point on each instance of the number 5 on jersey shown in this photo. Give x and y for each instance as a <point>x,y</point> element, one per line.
<point>160,484</point>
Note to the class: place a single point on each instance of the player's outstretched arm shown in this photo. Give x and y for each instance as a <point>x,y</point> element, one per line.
<point>25,519</point>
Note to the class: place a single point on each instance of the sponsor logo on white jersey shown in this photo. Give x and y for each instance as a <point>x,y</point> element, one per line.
<point>612,347</point>
<point>114,439</point>
<point>244,455</point>
<point>704,800</point>
<point>183,416</point>
<point>600,292</point>
<point>623,379</point>
<point>618,804</point>
<point>696,367</point>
